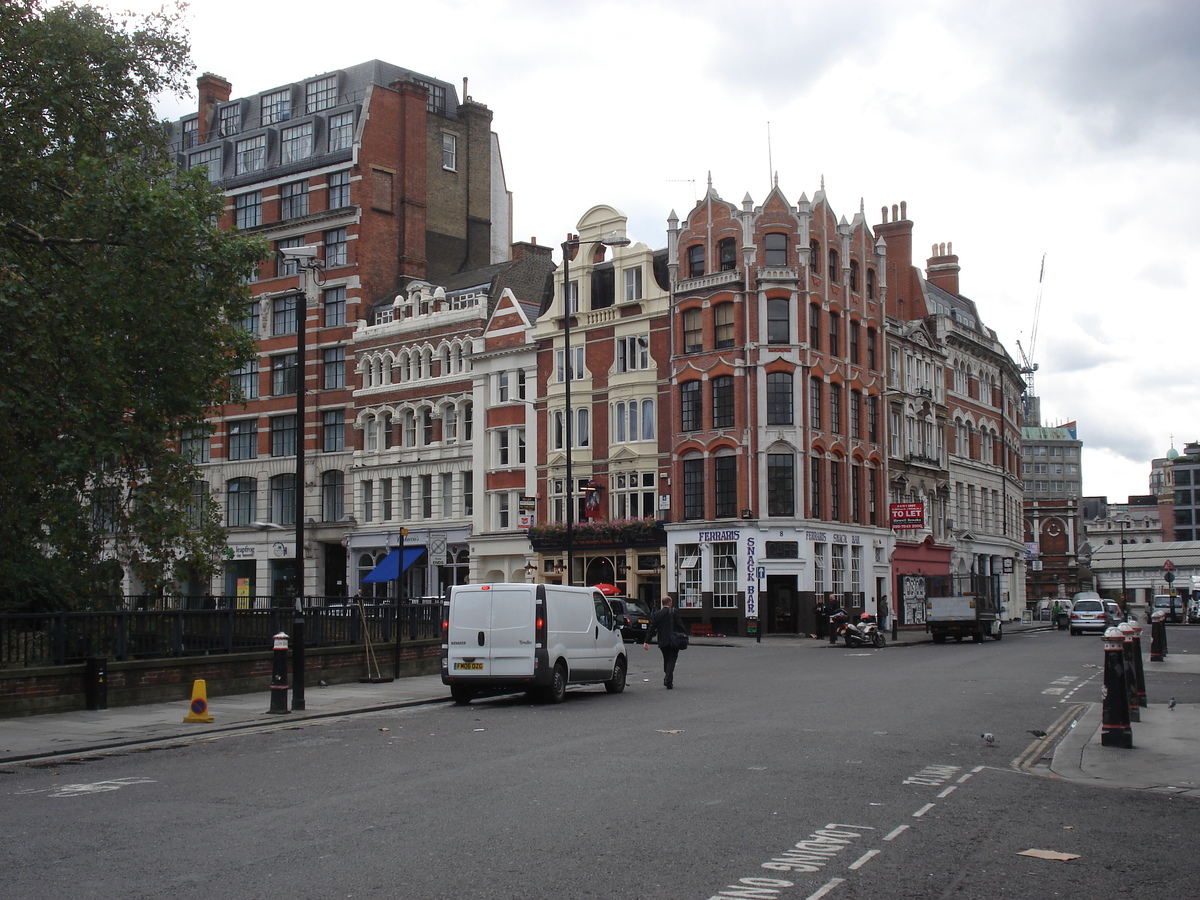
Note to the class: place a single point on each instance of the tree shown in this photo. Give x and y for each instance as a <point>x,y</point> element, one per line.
<point>120,301</point>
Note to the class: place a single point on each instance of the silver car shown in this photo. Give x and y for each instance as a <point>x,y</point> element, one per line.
<point>1089,615</point>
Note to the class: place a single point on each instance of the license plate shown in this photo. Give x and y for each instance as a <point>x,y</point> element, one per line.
<point>473,667</point>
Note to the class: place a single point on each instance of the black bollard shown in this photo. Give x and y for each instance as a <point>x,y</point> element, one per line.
<point>1156,639</point>
<point>298,663</point>
<point>1139,670</point>
<point>1135,711</point>
<point>1115,730</point>
<point>279,682</point>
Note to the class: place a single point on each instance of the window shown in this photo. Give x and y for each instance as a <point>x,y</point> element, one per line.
<point>723,325</point>
<point>633,284</point>
<point>241,495</point>
<point>853,331</point>
<point>296,143</point>
<point>690,406</point>
<point>426,496</point>
<point>243,439</point>
<point>334,368</point>
<point>855,493</point>
<point>779,321</point>
<point>727,254</point>
<point>502,455</point>
<point>695,257</point>
<point>834,336</point>
<point>834,268</point>
<point>775,246</point>
<point>838,558</point>
<point>855,415</point>
<point>250,155</point>
<point>193,446</point>
<point>293,199</point>
<point>283,499</point>
<point>283,314</point>
<point>247,210</point>
<point>693,488</point>
<point>633,353</point>
<point>449,151</point>
<point>333,305</point>
<point>276,107</point>
<point>781,484</point>
<point>320,94</point>
<point>339,189</point>
<point>814,403</point>
<point>333,431</point>
<point>427,427</point>
<point>814,487</point>
<point>870,284</point>
<point>835,490</point>
<point>693,334</point>
<point>722,401</point>
<point>814,256</point>
<point>283,374</point>
<point>437,97</point>
<point>287,266</point>
<point>689,576</point>
<point>725,487</point>
<point>244,381</point>
<point>871,358</point>
<point>335,247</point>
<point>779,399</point>
<point>577,367</point>
<point>835,408</point>
<point>633,495</point>
<point>341,131</point>
<point>231,120</point>
<point>283,435</point>
<point>854,274</point>
<point>210,159</point>
<point>814,327</point>
<point>725,575</point>
<point>249,322</point>
<point>333,496</point>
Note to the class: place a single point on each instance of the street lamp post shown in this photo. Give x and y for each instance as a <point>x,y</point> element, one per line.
<point>571,244</point>
<point>309,268</point>
<point>1122,523</point>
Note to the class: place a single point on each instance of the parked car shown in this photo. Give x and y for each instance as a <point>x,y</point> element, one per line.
<point>1172,606</point>
<point>1116,615</point>
<point>1089,615</point>
<point>633,616</point>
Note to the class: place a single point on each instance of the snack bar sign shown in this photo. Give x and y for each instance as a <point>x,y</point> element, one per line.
<point>908,515</point>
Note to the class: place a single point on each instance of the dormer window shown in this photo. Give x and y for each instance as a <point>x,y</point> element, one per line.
<point>775,245</point>
<point>695,257</point>
<point>276,107</point>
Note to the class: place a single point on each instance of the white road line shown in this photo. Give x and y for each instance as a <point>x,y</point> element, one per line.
<point>965,777</point>
<point>978,769</point>
<point>947,792</point>
<point>862,860</point>
<point>825,888</point>
<point>895,833</point>
<point>924,809</point>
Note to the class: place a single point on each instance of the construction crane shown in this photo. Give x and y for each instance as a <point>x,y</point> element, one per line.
<point>1028,366</point>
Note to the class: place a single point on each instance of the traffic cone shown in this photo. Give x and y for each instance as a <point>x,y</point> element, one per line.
<point>199,707</point>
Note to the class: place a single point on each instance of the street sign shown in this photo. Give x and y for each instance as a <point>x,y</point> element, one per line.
<point>1168,565</point>
<point>437,548</point>
<point>907,515</point>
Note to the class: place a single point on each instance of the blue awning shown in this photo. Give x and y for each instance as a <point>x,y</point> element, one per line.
<point>388,568</point>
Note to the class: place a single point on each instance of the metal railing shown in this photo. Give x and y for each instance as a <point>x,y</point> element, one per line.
<point>61,638</point>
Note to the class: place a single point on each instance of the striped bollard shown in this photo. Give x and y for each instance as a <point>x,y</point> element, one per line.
<point>1115,730</point>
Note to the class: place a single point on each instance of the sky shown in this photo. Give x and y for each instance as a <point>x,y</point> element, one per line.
<point>1059,130</point>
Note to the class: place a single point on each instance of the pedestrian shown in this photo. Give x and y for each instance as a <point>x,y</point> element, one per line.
<point>821,614</point>
<point>1057,614</point>
<point>885,610</point>
<point>832,610</point>
<point>666,625</point>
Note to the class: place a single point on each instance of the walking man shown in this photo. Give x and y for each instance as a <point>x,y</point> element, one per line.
<point>666,625</point>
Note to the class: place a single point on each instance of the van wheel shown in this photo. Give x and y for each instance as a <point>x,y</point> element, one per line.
<point>616,684</point>
<point>461,693</point>
<point>556,691</point>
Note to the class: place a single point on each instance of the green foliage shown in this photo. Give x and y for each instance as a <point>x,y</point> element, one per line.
<point>118,298</point>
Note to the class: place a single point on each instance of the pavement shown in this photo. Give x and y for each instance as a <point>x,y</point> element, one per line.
<point>1165,756</point>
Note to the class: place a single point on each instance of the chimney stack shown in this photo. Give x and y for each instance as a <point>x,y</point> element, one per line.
<point>213,89</point>
<point>942,268</point>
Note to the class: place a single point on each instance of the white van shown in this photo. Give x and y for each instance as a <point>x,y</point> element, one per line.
<point>501,638</point>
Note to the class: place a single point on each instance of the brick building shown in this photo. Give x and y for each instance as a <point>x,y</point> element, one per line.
<point>392,178</point>
<point>776,375</point>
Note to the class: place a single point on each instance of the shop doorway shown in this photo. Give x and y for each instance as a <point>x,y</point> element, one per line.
<point>783,605</point>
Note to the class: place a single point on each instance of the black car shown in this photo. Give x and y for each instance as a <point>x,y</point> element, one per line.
<point>633,616</point>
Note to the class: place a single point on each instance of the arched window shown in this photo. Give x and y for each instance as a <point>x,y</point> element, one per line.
<point>870,284</point>
<point>834,267</point>
<point>814,256</point>
<point>283,499</point>
<point>854,274</point>
<point>648,420</point>
<point>370,434</point>
<point>241,501</point>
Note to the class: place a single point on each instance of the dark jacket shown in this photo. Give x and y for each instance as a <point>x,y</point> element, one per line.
<point>664,623</point>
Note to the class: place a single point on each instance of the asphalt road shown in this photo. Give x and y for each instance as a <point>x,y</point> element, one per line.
<point>781,770</point>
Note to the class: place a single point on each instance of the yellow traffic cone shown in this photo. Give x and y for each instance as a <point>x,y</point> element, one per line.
<point>199,708</point>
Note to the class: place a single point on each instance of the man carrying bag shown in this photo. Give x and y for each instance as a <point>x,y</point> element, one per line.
<point>672,637</point>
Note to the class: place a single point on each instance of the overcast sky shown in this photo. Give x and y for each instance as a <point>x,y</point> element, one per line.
<point>1015,130</point>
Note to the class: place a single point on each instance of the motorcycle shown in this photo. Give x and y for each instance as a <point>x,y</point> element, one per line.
<point>864,633</point>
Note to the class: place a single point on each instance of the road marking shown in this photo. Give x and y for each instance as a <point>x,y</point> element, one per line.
<point>98,787</point>
<point>895,833</point>
<point>965,777</point>
<point>924,809</point>
<point>825,888</point>
<point>863,860</point>
<point>947,792</point>
<point>1053,691</point>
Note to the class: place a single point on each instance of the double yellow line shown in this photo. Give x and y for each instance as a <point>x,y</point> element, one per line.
<point>1036,750</point>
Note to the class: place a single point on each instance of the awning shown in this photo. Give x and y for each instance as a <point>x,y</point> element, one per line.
<point>389,568</point>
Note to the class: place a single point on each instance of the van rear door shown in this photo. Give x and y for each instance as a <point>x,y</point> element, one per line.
<point>491,631</point>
